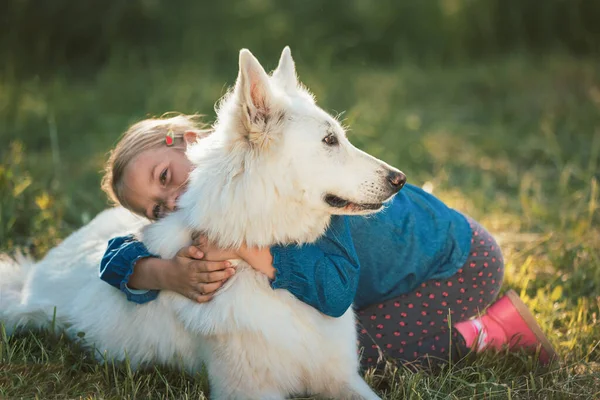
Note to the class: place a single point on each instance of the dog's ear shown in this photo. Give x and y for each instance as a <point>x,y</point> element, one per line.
<point>285,73</point>
<point>253,92</point>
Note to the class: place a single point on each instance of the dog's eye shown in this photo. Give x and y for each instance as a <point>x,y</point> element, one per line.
<point>330,140</point>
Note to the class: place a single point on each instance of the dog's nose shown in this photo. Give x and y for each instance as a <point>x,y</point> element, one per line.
<point>397,179</point>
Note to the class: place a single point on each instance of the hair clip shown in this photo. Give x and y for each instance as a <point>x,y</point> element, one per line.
<point>170,138</point>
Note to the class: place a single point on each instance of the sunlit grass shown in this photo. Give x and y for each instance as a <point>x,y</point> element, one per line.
<point>515,144</point>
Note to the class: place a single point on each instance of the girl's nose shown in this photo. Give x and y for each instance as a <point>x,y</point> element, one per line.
<point>172,201</point>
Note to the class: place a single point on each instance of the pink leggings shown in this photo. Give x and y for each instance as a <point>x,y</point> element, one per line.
<point>416,326</point>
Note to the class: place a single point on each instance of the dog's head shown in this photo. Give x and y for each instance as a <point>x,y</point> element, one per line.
<point>277,166</point>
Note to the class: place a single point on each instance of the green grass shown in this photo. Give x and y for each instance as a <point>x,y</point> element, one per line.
<point>515,143</point>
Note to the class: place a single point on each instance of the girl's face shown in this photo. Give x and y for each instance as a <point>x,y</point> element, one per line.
<point>154,180</point>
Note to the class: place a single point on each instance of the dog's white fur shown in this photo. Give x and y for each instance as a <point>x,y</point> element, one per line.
<point>259,179</point>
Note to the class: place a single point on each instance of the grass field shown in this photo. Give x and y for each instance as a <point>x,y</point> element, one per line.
<point>514,142</point>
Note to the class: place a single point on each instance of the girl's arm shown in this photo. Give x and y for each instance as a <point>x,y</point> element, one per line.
<point>128,266</point>
<point>323,274</point>
<point>117,265</point>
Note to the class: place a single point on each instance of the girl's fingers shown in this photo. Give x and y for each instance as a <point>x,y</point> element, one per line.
<point>214,254</point>
<point>211,277</point>
<point>183,252</point>
<point>211,266</point>
<point>202,298</point>
<point>196,252</point>
<point>209,288</point>
<point>190,252</point>
<point>199,240</point>
<point>196,235</point>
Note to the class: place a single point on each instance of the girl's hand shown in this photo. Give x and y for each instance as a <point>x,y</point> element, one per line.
<point>212,252</point>
<point>259,258</point>
<point>192,276</point>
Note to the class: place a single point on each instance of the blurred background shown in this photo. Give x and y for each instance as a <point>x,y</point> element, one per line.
<point>493,105</point>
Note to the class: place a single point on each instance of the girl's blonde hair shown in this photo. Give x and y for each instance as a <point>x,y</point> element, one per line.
<point>145,135</point>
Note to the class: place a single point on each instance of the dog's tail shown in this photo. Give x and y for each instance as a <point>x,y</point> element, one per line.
<point>13,274</point>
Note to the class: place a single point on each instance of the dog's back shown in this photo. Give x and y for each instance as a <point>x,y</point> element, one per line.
<point>63,291</point>
<point>21,300</point>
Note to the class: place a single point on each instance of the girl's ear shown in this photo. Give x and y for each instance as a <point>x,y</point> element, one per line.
<point>190,137</point>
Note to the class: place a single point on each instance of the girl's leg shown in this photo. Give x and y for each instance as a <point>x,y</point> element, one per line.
<point>418,324</point>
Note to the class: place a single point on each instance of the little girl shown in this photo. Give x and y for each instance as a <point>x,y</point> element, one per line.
<point>417,272</point>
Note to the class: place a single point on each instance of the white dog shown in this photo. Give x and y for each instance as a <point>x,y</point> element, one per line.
<point>274,171</point>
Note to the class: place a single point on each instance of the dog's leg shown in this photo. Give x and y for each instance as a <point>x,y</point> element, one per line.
<point>236,375</point>
<point>218,391</point>
<point>229,385</point>
<point>356,389</point>
<point>272,396</point>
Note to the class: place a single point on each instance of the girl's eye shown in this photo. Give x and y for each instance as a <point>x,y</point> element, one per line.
<point>163,176</point>
<point>156,211</point>
<point>330,140</point>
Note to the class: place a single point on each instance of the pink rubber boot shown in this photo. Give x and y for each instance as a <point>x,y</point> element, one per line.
<point>507,322</point>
